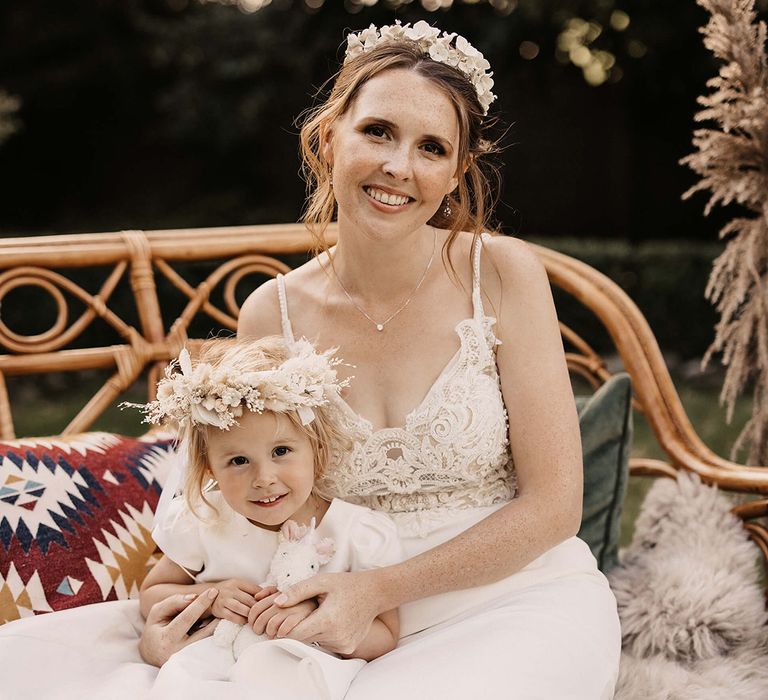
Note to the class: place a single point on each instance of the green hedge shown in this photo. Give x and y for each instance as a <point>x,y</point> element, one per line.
<point>666,279</point>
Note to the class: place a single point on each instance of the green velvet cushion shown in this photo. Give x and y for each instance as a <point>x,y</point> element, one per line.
<point>605,419</point>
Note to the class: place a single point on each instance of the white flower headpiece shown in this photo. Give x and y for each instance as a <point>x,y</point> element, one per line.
<point>208,395</point>
<point>451,49</point>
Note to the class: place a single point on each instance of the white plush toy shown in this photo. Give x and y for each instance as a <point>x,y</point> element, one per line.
<point>299,555</point>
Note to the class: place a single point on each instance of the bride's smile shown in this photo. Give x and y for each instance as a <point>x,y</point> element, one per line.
<point>394,154</point>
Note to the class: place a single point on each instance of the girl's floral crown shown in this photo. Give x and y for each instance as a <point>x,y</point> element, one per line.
<point>215,394</point>
<point>451,49</point>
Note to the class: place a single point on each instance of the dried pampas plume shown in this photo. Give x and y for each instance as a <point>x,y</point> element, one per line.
<point>732,160</point>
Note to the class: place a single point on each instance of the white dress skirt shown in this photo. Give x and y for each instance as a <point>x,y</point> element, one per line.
<point>549,632</point>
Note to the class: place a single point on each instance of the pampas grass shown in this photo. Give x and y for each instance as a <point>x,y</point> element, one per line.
<point>732,161</point>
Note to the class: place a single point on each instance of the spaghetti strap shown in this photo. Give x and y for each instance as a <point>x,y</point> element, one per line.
<point>284,320</point>
<point>477,301</point>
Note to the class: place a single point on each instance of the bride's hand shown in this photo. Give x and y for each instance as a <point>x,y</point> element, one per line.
<point>169,623</point>
<point>348,605</point>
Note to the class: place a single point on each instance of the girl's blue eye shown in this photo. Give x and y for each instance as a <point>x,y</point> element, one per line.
<point>280,451</point>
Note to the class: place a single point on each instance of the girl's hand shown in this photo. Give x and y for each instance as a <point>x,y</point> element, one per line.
<point>348,605</point>
<point>235,599</point>
<point>266,618</point>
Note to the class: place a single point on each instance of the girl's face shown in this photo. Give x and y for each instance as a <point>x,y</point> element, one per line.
<point>265,468</point>
<point>393,154</point>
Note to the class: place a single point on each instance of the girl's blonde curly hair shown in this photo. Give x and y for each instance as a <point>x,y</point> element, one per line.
<point>324,432</point>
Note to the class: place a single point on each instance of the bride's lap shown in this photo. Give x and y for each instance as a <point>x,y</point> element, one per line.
<point>86,652</point>
<point>560,639</point>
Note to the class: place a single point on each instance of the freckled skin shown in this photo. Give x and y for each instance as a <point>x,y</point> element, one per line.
<point>379,256</point>
<point>384,139</point>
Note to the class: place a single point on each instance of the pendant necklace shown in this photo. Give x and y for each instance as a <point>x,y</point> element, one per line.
<point>380,324</point>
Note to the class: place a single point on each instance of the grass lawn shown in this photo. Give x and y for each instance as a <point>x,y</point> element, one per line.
<point>44,406</point>
<point>700,399</point>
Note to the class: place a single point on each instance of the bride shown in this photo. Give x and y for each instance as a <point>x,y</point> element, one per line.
<point>466,430</point>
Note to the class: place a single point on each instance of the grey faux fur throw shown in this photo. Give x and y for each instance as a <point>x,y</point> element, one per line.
<point>693,615</point>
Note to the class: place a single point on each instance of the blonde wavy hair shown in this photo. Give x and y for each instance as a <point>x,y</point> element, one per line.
<point>325,432</point>
<point>471,203</point>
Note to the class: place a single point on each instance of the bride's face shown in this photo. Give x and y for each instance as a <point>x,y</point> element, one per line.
<point>393,154</point>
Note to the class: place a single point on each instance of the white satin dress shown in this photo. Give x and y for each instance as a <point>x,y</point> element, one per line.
<point>549,631</point>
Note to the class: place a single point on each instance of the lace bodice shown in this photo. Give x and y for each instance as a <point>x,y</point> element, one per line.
<point>453,450</point>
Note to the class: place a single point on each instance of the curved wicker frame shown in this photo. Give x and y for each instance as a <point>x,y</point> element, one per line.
<point>236,252</point>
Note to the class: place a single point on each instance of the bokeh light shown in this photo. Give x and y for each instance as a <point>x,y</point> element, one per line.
<point>529,50</point>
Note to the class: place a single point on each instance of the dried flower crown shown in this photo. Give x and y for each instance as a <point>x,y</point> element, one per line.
<point>215,395</point>
<point>451,49</point>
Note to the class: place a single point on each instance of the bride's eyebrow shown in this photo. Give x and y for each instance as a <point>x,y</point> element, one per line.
<point>371,119</point>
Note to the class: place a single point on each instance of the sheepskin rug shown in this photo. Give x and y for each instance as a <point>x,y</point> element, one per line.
<point>693,613</point>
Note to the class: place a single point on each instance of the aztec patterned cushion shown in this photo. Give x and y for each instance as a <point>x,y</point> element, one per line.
<point>75,519</point>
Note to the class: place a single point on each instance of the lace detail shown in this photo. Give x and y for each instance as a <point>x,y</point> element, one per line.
<point>452,452</point>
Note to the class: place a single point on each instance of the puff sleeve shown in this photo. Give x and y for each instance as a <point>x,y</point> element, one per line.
<point>374,542</point>
<point>179,536</point>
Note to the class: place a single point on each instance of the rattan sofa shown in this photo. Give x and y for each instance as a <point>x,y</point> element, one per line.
<point>223,259</point>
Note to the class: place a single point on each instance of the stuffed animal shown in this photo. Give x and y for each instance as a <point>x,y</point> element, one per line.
<point>692,610</point>
<point>299,555</point>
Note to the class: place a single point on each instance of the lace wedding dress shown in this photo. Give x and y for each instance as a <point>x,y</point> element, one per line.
<point>550,630</point>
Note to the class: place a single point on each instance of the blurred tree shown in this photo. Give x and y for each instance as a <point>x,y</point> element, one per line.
<point>155,113</point>
<point>9,106</point>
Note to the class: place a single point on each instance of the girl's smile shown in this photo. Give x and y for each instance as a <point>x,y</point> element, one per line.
<point>265,469</point>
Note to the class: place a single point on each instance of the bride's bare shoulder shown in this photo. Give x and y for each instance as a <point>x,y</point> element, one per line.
<point>516,262</point>
<point>260,312</point>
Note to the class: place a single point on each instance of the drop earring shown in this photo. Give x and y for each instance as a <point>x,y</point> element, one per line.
<point>447,211</point>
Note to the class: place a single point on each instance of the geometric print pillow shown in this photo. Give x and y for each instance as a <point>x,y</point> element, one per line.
<point>76,517</point>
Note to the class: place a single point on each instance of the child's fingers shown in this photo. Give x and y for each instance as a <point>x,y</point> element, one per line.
<point>259,607</point>
<point>240,609</point>
<point>274,624</point>
<point>245,598</point>
<point>288,624</point>
<point>264,592</point>
<point>234,617</point>
<point>249,587</point>
<point>261,622</point>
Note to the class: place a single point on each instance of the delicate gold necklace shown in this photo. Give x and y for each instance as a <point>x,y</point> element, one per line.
<point>380,324</point>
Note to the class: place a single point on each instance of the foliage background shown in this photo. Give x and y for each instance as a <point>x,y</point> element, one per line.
<point>169,113</point>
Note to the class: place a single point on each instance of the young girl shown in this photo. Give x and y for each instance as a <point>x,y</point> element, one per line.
<point>258,423</point>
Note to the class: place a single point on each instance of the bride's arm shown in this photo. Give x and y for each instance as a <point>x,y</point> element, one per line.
<point>544,434</point>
